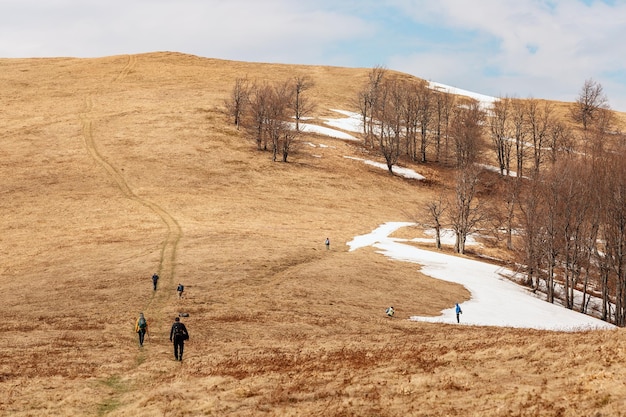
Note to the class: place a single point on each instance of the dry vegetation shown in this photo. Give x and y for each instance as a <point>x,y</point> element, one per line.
<point>114,168</point>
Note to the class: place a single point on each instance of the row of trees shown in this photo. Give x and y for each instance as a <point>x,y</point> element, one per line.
<point>570,214</point>
<point>271,112</point>
<point>573,220</point>
<point>404,116</point>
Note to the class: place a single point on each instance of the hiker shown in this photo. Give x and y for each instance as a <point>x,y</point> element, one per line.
<point>178,335</point>
<point>458,310</point>
<point>327,243</point>
<point>180,290</point>
<point>141,327</point>
<point>390,311</point>
<point>155,279</point>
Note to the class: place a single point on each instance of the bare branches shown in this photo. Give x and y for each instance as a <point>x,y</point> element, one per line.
<point>236,104</point>
<point>265,110</point>
<point>590,101</point>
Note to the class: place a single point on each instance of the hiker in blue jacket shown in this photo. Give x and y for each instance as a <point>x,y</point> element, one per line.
<point>458,312</point>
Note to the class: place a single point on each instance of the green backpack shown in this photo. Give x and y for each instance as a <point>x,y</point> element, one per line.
<point>142,323</point>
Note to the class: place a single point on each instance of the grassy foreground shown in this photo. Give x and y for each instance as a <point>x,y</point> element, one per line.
<point>112,169</point>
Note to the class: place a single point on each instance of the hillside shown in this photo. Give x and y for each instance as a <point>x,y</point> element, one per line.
<point>114,168</point>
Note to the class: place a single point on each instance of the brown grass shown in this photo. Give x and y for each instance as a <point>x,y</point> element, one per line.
<point>114,168</point>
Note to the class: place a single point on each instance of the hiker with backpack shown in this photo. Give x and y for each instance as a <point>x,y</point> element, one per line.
<point>155,279</point>
<point>178,335</point>
<point>141,328</point>
<point>180,290</point>
<point>458,311</point>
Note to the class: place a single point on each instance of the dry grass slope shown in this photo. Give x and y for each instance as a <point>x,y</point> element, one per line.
<point>112,169</point>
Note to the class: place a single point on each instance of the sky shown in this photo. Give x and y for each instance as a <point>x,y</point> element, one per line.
<point>495,300</point>
<point>517,48</point>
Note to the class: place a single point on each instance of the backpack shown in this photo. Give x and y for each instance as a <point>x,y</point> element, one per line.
<point>178,331</point>
<point>142,323</point>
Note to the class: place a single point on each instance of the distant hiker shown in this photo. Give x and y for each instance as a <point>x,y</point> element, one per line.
<point>390,311</point>
<point>141,327</point>
<point>155,279</point>
<point>178,335</point>
<point>327,243</point>
<point>458,311</point>
<point>180,290</point>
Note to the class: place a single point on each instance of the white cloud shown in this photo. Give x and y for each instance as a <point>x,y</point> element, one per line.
<point>275,30</point>
<point>522,47</point>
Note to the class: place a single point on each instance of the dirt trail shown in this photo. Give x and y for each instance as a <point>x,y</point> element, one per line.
<point>167,262</point>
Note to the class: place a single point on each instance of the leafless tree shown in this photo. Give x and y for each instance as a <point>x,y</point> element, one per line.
<point>258,113</point>
<point>614,231</point>
<point>532,208</point>
<point>302,106</point>
<point>368,99</point>
<point>511,193</point>
<point>467,132</point>
<point>436,210</point>
<point>277,124</point>
<point>444,105</point>
<point>268,118</point>
<point>411,118</point>
<point>425,114</point>
<point>540,118</point>
<point>388,121</point>
<point>560,139</point>
<point>465,213</point>
<point>236,103</point>
<point>590,100</point>
<point>501,133</point>
<point>519,120</point>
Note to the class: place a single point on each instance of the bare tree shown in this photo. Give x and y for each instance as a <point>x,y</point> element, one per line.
<point>614,232</point>
<point>559,140</point>
<point>532,208</point>
<point>500,126</point>
<point>436,210</point>
<point>465,213</point>
<point>467,131</point>
<point>425,114</point>
<point>444,105</point>
<point>411,118</point>
<point>590,100</point>
<point>519,133</point>
<point>511,193</point>
<point>301,105</point>
<point>368,101</point>
<point>388,127</point>
<point>268,120</point>
<point>540,119</point>
<point>277,124</point>
<point>236,104</point>
<point>258,113</point>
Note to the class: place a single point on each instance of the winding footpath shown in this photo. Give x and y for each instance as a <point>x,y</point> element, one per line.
<point>167,262</point>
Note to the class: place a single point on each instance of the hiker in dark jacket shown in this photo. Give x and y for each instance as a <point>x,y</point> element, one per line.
<point>155,279</point>
<point>141,327</point>
<point>178,335</point>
